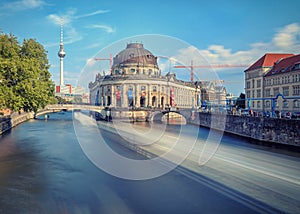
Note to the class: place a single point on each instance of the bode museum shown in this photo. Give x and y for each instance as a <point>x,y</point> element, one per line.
<point>136,81</point>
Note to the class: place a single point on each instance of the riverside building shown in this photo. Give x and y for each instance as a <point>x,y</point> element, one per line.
<point>136,81</point>
<point>273,83</point>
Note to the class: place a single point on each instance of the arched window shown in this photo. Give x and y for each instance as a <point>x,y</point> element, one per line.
<point>154,101</point>
<point>296,104</point>
<point>108,100</point>
<point>285,104</point>
<point>130,95</point>
<point>97,99</point>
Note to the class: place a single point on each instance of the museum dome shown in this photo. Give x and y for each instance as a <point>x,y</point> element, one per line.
<point>135,54</point>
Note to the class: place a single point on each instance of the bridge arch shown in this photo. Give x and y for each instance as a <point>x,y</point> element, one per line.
<point>175,117</point>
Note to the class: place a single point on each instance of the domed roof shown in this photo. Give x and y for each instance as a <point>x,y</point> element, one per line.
<point>135,53</point>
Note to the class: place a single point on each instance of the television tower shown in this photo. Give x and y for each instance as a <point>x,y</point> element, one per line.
<point>61,54</point>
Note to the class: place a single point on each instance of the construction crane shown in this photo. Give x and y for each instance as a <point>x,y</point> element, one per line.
<point>110,62</point>
<point>192,67</point>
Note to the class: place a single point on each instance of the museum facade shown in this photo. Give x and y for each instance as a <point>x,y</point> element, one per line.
<point>136,81</point>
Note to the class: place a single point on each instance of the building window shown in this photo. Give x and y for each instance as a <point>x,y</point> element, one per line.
<point>143,88</point>
<point>258,83</point>
<point>296,104</point>
<point>132,70</point>
<point>253,84</point>
<point>285,104</point>
<point>150,71</point>
<point>154,88</point>
<point>268,92</point>
<point>248,84</point>
<point>108,88</point>
<point>248,94</point>
<point>118,87</point>
<point>258,104</point>
<point>253,93</point>
<point>296,90</point>
<point>286,91</point>
<point>295,78</point>
<point>267,103</point>
<point>117,72</point>
<point>258,93</point>
<point>275,91</point>
<point>253,104</point>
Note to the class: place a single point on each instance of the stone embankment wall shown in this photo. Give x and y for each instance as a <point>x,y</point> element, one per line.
<point>8,122</point>
<point>283,131</point>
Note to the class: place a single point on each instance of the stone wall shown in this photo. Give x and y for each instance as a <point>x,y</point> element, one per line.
<point>283,131</point>
<point>12,121</point>
<point>6,123</point>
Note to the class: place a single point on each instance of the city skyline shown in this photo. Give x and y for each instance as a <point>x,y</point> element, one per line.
<point>224,32</point>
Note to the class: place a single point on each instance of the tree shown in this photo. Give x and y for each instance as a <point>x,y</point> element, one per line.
<point>240,103</point>
<point>9,59</point>
<point>26,81</point>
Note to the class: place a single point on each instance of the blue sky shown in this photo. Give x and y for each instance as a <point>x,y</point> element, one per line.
<point>224,32</point>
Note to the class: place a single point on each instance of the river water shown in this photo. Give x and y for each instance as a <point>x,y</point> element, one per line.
<point>43,170</point>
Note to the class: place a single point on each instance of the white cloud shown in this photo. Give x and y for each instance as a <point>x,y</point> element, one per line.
<point>285,40</point>
<point>70,32</point>
<point>93,13</point>
<point>90,62</point>
<point>71,35</point>
<point>67,18</point>
<point>21,5</point>
<point>288,37</point>
<point>106,28</point>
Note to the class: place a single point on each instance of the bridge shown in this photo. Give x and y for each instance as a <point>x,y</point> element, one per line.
<point>138,115</point>
<point>158,115</point>
<point>68,107</point>
<point>71,107</point>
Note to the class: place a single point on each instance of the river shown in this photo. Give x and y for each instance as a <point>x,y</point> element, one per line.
<point>44,170</point>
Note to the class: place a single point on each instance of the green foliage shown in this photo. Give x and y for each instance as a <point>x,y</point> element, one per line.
<point>25,80</point>
<point>60,99</point>
<point>240,103</point>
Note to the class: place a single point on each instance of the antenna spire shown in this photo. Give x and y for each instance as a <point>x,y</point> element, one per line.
<point>61,30</point>
<point>61,53</point>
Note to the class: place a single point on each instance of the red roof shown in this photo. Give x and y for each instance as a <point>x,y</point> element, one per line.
<point>268,60</point>
<point>285,65</point>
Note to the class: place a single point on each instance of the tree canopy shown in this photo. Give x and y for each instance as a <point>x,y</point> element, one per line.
<point>25,80</point>
<point>240,103</point>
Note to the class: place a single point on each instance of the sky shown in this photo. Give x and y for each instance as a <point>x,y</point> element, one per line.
<point>217,32</point>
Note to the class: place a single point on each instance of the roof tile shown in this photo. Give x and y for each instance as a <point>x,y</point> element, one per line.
<point>268,60</point>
